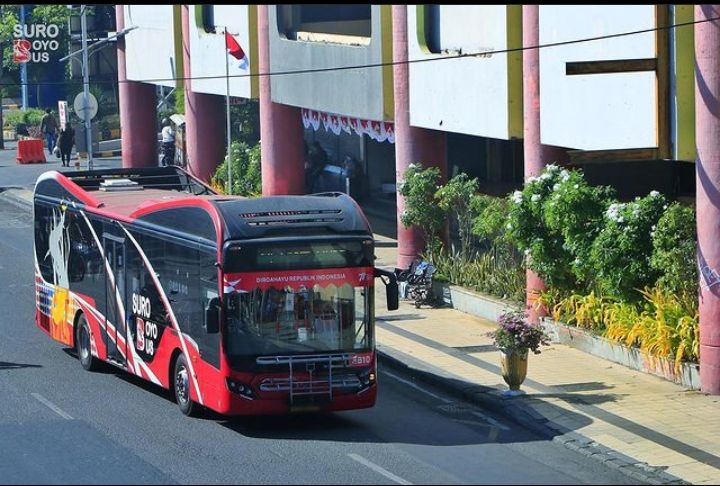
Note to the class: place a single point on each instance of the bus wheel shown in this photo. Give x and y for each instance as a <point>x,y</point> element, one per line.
<point>181,381</point>
<point>82,345</point>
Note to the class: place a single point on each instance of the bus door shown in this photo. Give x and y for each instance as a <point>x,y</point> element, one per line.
<point>116,299</point>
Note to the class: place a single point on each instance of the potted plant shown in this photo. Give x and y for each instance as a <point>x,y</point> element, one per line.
<point>515,337</point>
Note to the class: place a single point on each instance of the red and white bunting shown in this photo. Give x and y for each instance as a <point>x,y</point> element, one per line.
<point>377,130</point>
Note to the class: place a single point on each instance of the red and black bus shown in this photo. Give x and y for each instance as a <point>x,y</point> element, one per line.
<point>243,306</point>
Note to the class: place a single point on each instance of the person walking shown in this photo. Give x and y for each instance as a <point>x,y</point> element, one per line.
<point>49,126</point>
<point>168,143</point>
<point>66,140</point>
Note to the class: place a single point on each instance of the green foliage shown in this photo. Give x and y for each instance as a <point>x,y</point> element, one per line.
<point>421,207</point>
<point>179,100</point>
<point>575,210</point>
<point>491,216</point>
<point>493,272</point>
<point>246,176</point>
<point>674,250</point>
<point>621,252</point>
<point>454,198</point>
<point>31,117</point>
<point>663,326</point>
<point>526,228</point>
<point>245,121</point>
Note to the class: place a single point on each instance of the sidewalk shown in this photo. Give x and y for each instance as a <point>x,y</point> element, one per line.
<point>649,428</point>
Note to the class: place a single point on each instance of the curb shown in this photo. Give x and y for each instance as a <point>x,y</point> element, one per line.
<point>106,153</point>
<point>9,194</point>
<point>514,410</point>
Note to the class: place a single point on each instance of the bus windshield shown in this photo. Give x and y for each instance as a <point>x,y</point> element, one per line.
<point>321,302</point>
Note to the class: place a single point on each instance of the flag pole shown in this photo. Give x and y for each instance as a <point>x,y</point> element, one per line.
<point>227,109</point>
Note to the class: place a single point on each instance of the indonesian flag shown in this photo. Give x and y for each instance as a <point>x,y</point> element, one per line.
<point>236,51</point>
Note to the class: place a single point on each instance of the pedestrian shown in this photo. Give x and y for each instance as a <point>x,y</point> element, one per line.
<point>66,140</point>
<point>317,160</point>
<point>48,126</point>
<point>168,143</point>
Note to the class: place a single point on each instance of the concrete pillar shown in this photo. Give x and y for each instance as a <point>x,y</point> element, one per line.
<point>412,145</point>
<point>281,129</point>
<point>204,118</point>
<point>707,139</point>
<point>138,114</point>
<point>536,155</point>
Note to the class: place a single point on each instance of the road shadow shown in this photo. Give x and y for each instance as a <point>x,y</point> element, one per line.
<point>404,415</point>
<point>6,365</point>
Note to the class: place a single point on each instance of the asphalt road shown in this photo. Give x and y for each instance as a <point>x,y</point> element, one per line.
<point>61,424</point>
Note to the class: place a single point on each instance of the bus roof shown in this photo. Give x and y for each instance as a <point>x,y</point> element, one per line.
<point>133,194</point>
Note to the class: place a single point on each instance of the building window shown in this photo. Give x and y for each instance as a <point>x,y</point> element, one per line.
<point>205,17</point>
<point>431,27</point>
<point>345,24</point>
<point>458,29</point>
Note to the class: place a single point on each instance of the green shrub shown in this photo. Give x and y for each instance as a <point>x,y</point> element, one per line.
<point>30,117</point>
<point>12,117</point>
<point>421,207</point>
<point>246,176</point>
<point>455,199</point>
<point>492,272</point>
<point>621,252</point>
<point>575,210</point>
<point>674,251</point>
<point>543,247</point>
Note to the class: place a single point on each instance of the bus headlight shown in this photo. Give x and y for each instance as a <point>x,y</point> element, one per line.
<point>239,388</point>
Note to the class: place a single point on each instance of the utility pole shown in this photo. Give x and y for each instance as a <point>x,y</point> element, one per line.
<point>86,87</point>
<point>23,66</point>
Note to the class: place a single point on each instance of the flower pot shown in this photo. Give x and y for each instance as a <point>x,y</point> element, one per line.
<point>514,368</point>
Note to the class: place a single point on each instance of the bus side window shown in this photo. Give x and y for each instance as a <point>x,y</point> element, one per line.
<point>43,223</point>
<point>85,263</point>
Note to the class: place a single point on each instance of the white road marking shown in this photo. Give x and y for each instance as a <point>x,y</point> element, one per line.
<point>51,406</point>
<point>378,469</point>
<point>409,383</point>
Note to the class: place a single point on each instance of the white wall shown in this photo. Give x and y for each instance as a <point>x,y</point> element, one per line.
<point>150,49</point>
<point>597,111</point>
<point>470,95</point>
<point>208,53</point>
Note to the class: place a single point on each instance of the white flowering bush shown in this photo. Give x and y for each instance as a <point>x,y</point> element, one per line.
<point>674,251</point>
<point>542,245</point>
<point>621,252</point>
<point>575,210</point>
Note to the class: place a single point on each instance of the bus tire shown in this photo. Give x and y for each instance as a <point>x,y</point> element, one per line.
<point>82,344</point>
<point>181,387</point>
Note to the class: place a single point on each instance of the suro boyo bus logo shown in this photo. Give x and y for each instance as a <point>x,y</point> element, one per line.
<point>40,40</point>
<point>21,51</point>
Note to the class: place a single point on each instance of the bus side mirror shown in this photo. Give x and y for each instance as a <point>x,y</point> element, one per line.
<point>391,288</point>
<point>212,316</point>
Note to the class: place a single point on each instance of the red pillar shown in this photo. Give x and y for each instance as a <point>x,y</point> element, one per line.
<point>281,130</point>
<point>707,139</point>
<point>412,145</point>
<point>138,115</point>
<point>536,155</point>
<point>204,118</point>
